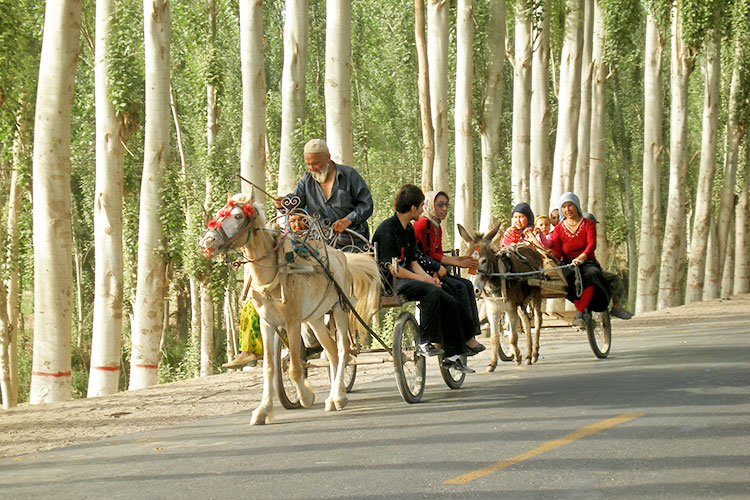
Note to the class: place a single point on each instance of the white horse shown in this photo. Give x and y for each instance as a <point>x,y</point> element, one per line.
<point>285,300</point>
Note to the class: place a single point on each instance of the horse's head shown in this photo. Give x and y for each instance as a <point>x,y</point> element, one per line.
<point>231,228</point>
<point>488,261</point>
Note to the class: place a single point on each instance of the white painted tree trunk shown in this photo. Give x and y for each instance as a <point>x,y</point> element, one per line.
<point>581,181</point>
<point>672,255</point>
<point>652,159</point>
<point>464,198</point>
<point>489,127</point>
<point>292,90</point>
<point>597,191</point>
<point>703,205</point>
<point>148,309</point>
<point>207,331</point>
<point>51,367</point>
<point>104,374</point>
<point>540,166</point>
<point>253,156</point>
<point>437,55</point>
<point>337,86</point>
<point>734,135</point>
<point>423,83</point>
<point>520,154</point>
<point>569,98</point>
<point>741,238</point>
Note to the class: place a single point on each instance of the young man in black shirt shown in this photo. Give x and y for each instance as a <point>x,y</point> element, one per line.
<point>439,314</point>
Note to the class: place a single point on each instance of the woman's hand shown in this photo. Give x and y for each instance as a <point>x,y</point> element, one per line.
<point>580,259</point>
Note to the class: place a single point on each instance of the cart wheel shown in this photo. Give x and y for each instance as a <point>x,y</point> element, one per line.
<point>408,366</point>
<point>453,378</point>
<point>599,331</point>
<point>287,392</point>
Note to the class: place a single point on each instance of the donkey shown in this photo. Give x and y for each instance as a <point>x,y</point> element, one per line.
<point>285,299</point>
<point>506,296</point>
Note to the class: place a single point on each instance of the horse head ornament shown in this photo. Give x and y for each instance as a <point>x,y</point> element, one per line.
<point>226,231</point>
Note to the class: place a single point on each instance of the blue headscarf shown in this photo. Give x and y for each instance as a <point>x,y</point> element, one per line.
<point>572,198</point>
<point>525,209</point>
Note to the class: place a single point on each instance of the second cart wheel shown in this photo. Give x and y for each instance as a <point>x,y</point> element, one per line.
<point>409,367</point>
<point>453,378</point>
<point>599,331</point>
<point>287,392</point>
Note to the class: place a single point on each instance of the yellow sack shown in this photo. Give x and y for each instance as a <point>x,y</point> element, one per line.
<point>250,337</point>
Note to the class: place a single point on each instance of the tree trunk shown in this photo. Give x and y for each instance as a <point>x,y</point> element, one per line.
<point>727,273</point>
<point>703,205</point>
<point>337,80</point>
<point>652,159</point>
<point>6,388</point>
<point>207,331</point>
<point>673,255</point>
<point>569,98</point>
<point>51,370</point>
<point>597,191</point>
<point>150,287</point>
<point>106,336</point>
<point>437,50</point>
<point>423,82</point>
<point>292,90</point>
<point>253,156</point>
<point>14,210</point>
<point>581,181</point>
<point>734,136</point>
<point>540,166</point>
<point>464,199</point>
<point>520,155</point>
<point>741,239</point>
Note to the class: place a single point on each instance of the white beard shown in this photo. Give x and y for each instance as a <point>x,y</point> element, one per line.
<point>320,175</point>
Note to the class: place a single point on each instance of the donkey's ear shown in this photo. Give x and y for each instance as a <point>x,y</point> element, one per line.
<point>493,232</point>
<point>464,234</point>
<point>229,196</point>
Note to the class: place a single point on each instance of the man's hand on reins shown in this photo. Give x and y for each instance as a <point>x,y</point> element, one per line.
<point>341,224</point>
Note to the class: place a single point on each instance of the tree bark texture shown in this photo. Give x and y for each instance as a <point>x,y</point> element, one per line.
<point>597,191</point>
<point>741,238</point>
<point>207,331</point>
<point>520,155</point>
<point>148,308</point>
<point>437,52</point>
<point>106,338</point>
<point>464,199</point>
<point>673,255</point>
<point>423,83</point>
<point>51,367</point>
<point>292,90</point>
<point>540,166</point>
<point>703,204</point>
<point>566,140</point>
<point>337,80</point>
<point>581,181</point>
<point>652,160</point>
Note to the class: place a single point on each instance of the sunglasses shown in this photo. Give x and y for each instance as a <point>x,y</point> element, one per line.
<point>442,204</point>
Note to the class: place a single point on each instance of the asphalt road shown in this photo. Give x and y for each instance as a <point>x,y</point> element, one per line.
<point>665,416</point>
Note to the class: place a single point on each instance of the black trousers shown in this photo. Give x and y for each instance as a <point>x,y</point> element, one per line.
<point>463,291</point>
<point>439,318</point>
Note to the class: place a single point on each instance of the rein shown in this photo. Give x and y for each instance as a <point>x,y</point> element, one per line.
<point>519,276</point>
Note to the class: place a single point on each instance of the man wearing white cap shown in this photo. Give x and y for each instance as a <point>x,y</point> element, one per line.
<point>337,194</point>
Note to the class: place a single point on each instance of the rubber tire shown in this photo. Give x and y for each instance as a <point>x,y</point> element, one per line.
<point>599,332</point>
<point>453,378</point>
<point>288,396</point>
<point>406,363</point>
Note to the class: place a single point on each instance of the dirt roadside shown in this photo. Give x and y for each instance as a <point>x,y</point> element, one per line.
<point>30,429</point>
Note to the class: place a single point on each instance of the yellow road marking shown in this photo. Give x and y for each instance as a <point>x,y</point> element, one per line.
<point>549,445</point>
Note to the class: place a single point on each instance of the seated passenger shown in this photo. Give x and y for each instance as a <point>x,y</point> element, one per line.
<point>554,217</point>
<point>574,241</point>
<point>542,228</point>
<point>440,319</point>
<point>616,287</point>
<point>521,228</point>
<point>429,236</point>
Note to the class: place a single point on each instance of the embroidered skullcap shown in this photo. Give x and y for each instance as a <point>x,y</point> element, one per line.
<point>572,198</point>
<point>316,146</point>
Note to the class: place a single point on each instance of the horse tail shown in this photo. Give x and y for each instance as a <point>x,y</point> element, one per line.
<point>367,288</point>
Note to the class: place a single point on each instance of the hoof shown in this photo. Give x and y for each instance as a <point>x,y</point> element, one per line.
<point>329,405</point>
<point>535,358</point>
<point>260,418</point>
<point>341,403</point>
<point>307,400</point>
<point>491,367</point>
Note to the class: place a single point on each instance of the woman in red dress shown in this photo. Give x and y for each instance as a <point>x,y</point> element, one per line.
<point>574,241</point>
